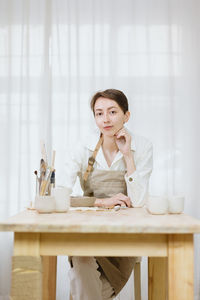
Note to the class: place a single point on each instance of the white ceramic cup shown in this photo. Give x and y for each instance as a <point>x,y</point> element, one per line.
<point>44,204</point>
<point>62,198</point>
<point>176,204</point>
<point>157,205</point>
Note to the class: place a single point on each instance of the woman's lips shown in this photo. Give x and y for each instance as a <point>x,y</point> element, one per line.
<point>107,127</point>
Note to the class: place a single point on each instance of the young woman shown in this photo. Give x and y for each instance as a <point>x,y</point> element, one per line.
<point>114,169</point>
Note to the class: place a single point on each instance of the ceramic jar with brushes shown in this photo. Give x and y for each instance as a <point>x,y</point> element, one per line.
<point>44,201</point>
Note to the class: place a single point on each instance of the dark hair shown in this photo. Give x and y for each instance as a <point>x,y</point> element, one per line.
<point>112,94</point>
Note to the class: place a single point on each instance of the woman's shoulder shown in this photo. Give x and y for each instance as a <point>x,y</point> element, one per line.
<point>139,142</point>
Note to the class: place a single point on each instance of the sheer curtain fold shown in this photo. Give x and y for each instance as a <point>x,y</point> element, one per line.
<point>55,54</point>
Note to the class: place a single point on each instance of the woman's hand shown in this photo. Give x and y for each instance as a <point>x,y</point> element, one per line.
<point>123,141</point>
<point>118,199</point>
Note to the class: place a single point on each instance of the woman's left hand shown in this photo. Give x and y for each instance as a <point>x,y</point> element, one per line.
<point>123,141</point>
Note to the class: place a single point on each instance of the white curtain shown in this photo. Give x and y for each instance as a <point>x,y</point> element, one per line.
<point>55,54</point>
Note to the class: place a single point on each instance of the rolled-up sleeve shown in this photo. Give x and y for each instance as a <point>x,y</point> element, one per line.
<point>138,182</point>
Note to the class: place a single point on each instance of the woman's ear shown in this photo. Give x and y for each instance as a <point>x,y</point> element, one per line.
<point>127,116</point>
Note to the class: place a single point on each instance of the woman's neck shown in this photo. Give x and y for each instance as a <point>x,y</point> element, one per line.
<point>109,144</point>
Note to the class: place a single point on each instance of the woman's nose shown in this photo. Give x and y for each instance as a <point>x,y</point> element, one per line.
<point>106,118</point>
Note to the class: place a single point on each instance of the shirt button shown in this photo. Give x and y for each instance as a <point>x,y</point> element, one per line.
<point>130,179</point>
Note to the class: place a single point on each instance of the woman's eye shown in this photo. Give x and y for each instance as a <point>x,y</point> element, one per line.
<point>98,114</point>
<point>113,112</point>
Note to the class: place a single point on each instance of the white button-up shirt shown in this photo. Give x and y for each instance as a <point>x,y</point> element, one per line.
<point>137,183</point>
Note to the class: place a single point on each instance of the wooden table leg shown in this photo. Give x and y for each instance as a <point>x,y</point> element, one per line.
<point>137,281</point>
<point>181,267</point>
<point>49,277</point>
<point>26,267</point>
<point>157,278</point>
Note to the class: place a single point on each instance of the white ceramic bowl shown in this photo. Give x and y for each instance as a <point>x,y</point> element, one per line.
<point>45,204</point>
<point>176,204</point>
<point>157,205</point>
<point>62,198</point>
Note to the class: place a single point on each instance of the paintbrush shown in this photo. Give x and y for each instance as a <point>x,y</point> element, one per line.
<point>43,151</point>
<point>46,181</point>
<point>43,168</point>
<point>47,188</point>
<point>52,182</point>
<point>43,163</point>
<point>53,179</point>
<point>36,183</point>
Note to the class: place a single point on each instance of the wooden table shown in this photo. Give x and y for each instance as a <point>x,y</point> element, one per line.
<point>167,241</point>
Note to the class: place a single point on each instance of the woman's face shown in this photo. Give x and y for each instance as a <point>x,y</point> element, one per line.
<point>109,116</point>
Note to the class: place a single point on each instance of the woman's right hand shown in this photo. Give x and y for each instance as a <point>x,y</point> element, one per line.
<point>118,199</point>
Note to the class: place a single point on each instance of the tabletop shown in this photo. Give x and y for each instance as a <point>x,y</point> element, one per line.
<point>130,220</point>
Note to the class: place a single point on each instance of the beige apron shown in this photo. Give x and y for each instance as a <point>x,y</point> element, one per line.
<point>102,184</point>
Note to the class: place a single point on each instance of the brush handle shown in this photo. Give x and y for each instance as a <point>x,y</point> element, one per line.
<point>48,182</point>
<point>43,151</point>
<point>43,187</point>
<point>36,186</point>
<point>44,182</point>
<point>53,159</point>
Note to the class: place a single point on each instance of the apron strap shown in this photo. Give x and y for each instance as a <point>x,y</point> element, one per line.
<point>91,159</point>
